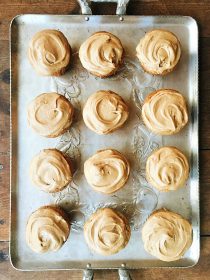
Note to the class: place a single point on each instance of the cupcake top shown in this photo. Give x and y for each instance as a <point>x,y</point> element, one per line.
<point>49,52</point>
<point>104,112</point>
<point>167,235</point>
<point>159,52</point>
<point>165,111</point>
<point>101,54</point>
<point>50,171</point>
<point>167,169</point>
<point>107,232</point>
<point>107,171</point>
<point>50,114</point>
<point>47,229</point>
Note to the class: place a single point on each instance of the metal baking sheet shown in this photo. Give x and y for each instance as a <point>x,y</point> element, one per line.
<point>137,199</point>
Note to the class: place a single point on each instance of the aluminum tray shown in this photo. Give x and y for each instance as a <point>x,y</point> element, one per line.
<point>137,199</point>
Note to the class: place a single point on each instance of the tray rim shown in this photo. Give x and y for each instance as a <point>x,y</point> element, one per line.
<point>196,116</point>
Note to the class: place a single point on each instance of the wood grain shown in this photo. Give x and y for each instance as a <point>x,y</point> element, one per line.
<point>200,272</point>
<point>200,10</point>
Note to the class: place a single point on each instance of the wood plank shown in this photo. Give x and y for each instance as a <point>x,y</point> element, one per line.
<point>4,142</point>
<point>205,192</point>
<point>200,271</point>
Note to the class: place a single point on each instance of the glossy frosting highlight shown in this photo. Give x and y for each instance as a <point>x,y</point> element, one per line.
<point>50,114</point>
<point>165,111</point>
<point>107,171</point>
<point>50,171</point>
<point>167,169</point>
<point>101,54</point>
<point>107,232</point>
<point>49,52</point>
<point>104,112</point>
<point>167,235</point>
<point>159,52</point>
<point>47,229</point>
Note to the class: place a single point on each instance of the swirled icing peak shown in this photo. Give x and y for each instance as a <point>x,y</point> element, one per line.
<point>167,169</point>
<point>167,235</point>
<point>107,231</point>
<point>159,52</point>
<point>101,54</point>
<point>50,114</point>
<point>50,170</point>
<point>49,52</point>
<point>47,229</point>
<point>107,171</point>
<point>165,111</point>
<point>104,112</point>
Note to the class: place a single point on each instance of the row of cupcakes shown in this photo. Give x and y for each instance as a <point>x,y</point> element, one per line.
<point>107,171</point>
<point>164,112</point>
<point>166,235</point>
<point>102,53</point>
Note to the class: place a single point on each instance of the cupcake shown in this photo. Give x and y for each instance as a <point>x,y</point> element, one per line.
<point>47,229</point>
<point>159,52</point>
<point>164,112</point>
<point>49,53</point>
<point>50,171</point>
<point>101,54</point>
<point>107,232</point>
<point>167,169</point>
<point>166,235</point>
<point>104,112</point>
<point>107,171</point>
<point>50,114</point>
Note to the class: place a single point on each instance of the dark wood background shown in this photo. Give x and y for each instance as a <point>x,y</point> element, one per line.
<point>198,9</point>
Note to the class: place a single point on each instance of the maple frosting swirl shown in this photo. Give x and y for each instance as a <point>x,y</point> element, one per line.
<point>159,52</point>
<point>47,229</point>
<point>107,171</point>
<point>50,171</point>
<point>167,235</point>
<point>101,54</point>
<point>165,111</point>
<point>167,169</point>
<point>50,114</point>
<point>104,112</point>
<point>107,231</point>
<point>49,52</point>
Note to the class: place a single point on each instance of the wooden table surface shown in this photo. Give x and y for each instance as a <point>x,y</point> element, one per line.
<point>198,9</point>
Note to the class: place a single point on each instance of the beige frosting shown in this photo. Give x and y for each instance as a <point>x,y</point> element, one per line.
<point>104,112</point>
<point>107,231</point>
<point>101,54</point>
<point>167,235</point>
<point>50,171</point>
<point>107,171</point>
<point>49,52</point>
<point>159,51</point>
<point>47,229</point>
<point>50,114</point>
<point>165,112</point>
<point>167,169</point>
